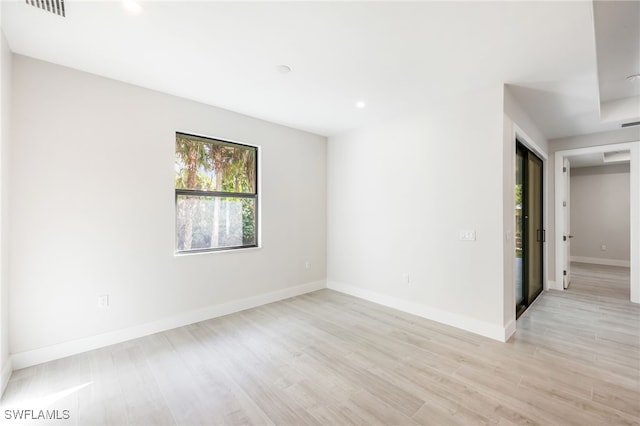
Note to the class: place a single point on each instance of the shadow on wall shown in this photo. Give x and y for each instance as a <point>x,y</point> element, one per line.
<point>550,104</point>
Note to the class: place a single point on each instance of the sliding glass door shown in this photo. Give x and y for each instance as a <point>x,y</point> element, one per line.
<point>530,233</point>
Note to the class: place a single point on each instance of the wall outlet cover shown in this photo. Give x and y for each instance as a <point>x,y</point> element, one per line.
<point>103,301</point>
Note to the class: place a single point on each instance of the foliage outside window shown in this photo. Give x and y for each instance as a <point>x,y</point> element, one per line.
<point>216,194</point>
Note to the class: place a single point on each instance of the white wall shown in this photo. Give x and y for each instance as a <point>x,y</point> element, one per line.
<point>522,124</point>
<point>400,192</point>
<point>93,211</point>
<point>5,104</point>
<point>600,203</point>
<point>630,134</point>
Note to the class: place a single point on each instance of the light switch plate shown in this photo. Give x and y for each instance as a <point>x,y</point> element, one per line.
<point>467,235</point>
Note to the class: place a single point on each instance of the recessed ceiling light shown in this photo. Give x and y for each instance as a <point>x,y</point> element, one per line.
<point>360,104</point>
<point>634,77</point>
<point>132,6</point>
<point>283,69</point>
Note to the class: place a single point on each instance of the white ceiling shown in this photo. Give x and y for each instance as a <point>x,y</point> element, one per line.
<point>395,56</point>
<point>617,25</point>
<point>595,160</point>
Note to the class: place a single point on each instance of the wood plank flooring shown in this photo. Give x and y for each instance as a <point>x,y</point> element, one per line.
<point>600,280</point>
<point>330,359</point>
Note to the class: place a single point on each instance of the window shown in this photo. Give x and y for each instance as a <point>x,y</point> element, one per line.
<point>216,194</point>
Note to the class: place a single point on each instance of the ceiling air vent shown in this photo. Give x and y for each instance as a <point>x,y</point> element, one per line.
<point>635,123</point>
<point>53,6</point>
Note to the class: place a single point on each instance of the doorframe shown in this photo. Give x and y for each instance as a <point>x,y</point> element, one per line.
<point>526,237</point>
<point>634,193</point>
<point>519,135</point>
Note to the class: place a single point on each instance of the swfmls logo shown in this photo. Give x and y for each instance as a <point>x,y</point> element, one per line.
<point>37,414</point>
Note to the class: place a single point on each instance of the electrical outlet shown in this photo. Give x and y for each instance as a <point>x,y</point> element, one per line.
<point>307,264</point>
<point>103,301</point>
<point>603,247</point>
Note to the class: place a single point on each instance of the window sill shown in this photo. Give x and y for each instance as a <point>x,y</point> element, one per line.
<point>219,251</point>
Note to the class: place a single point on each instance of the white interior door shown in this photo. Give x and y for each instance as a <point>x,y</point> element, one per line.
<point>567,223</point>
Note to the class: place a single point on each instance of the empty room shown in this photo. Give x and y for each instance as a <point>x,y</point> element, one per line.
<point>319,213</point>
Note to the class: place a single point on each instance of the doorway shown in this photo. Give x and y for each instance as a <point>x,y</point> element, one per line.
<point>530,233</point>
<point>634,210</point>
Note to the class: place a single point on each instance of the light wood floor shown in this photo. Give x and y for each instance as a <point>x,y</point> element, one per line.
<point>327,358</point>
<point>600,280</point>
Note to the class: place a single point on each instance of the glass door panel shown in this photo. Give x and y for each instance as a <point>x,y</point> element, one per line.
<point>535,233</point>
<point>519,227</point>
<point>530,234</point>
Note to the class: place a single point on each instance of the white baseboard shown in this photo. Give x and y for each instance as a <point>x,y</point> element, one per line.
<point>482,328</point>
<point>509,329</point>
<point>552,285</point>
<point>7,368</point>
<point>600,261</point>
<point>49,353</point>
